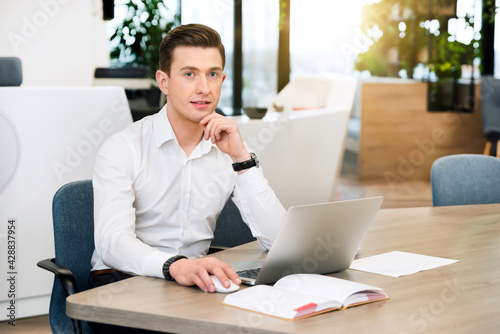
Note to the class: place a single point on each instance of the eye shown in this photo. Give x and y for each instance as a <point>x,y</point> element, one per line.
<point>189,74</point>
<point>213,74</point>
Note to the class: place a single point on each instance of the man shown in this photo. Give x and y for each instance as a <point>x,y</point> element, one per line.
<point>160,184</point>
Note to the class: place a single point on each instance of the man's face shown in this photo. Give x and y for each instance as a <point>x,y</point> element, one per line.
<point>193,88</point>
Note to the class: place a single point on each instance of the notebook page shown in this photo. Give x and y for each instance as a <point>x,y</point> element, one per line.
<point>277,302</point>
<point>397,263</point>
<point>324,286</point>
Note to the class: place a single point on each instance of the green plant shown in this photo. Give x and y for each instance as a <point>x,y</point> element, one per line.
<point>138,37</point>
<point>447,55</point>
<point>448,59</point>
<point>391,27</point>
<point>416,32</point>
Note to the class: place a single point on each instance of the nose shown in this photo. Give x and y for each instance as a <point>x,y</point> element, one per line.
<point>202,85</point>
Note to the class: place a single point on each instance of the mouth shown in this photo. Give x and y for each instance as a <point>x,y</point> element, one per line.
<point>200,103</point>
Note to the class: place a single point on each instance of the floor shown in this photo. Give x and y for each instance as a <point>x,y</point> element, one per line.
<point>401,195</point>
<point>35,325</point>
<point>396,195</point>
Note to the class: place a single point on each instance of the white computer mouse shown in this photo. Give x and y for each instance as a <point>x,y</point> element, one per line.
<point>220,288</point>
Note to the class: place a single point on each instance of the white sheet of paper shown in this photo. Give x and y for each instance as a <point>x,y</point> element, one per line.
<point>397,263</point>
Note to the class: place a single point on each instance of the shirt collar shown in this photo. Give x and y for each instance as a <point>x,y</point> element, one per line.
<point>162,129</point>
<point>206,146</point>
<point>163,132</point>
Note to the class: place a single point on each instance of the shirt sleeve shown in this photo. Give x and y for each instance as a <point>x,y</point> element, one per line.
<point>259,206</point>
<point>115,239</point>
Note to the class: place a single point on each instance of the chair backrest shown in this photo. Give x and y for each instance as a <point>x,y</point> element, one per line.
<point>463,179</point>
<point>11,73</point>
<point>230,229</point>
<point>490,102</point>
<point>73,219</point>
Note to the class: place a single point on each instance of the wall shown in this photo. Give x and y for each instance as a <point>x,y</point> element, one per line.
<point>60,42</point>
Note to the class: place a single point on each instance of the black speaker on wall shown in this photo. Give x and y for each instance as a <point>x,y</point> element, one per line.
<point>108,9</point>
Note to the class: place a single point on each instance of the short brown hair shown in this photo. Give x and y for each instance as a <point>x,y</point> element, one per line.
<point>196,35</point>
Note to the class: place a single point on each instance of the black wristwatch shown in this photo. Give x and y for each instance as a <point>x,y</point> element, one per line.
<point>253,162</point>
<point>166,266</point>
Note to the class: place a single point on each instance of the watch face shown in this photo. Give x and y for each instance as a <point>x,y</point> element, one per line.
<point>254,157</point>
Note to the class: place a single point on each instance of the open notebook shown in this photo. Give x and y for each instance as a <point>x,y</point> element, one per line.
<point>302,295</point>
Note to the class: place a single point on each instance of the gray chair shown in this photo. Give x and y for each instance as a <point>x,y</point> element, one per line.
<point>490,102</point>
<point>73,220</point>
<point>11,73</point>
<point>464,179</point>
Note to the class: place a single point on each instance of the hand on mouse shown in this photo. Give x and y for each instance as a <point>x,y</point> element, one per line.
<point>220,288</point>
<point>197,272</point>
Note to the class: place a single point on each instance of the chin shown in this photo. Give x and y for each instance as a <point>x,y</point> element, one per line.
<point>203,113</point>
<point>198,117</point>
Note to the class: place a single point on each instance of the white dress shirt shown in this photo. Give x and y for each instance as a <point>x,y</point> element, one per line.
<point>152,202</point>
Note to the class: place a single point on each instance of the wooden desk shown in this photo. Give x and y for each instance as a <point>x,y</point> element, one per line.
<point>463,297</point>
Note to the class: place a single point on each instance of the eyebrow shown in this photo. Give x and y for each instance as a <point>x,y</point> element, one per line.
<point>192,68</point>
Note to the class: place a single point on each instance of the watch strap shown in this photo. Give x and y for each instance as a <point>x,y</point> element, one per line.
<point>238,166</point>
<point>168,263</point>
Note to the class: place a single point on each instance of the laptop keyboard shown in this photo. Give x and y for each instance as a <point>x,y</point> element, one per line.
<point>249,273</point>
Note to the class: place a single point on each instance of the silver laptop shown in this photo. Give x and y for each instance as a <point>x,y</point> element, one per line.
<point>317,238</point>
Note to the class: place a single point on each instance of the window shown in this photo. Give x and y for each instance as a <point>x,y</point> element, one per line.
<point>219,15</point>
<point>323,36</point>
<point>260,52</point>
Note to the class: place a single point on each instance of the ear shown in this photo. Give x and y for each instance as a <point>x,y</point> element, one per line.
<point>223,77</point>
<point>162,80</point>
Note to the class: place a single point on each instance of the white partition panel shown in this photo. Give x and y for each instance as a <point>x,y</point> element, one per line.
<point>300,153</point>
<point>301,149</point>
<point>48,137</point>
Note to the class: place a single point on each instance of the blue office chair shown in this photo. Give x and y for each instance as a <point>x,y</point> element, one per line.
<point>463,179</point>
<point>490,102</point>
<point>73,220</point>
